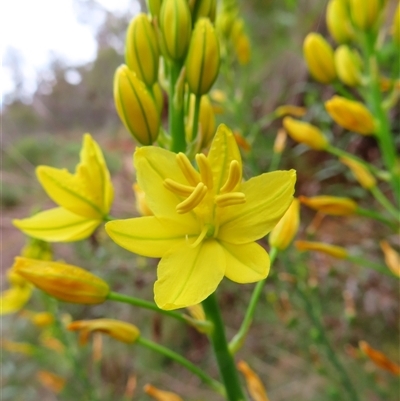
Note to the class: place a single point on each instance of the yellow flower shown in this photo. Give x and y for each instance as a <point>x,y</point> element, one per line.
<point>161,395</point>
<point>136,107</point>
<point>392,258</point>
<point>121,331</point>
<point>348,65</point>
<point>338,21</point>
<point>141,49</point>
<point>84,198</point>
<point>254,385</point>
<point>363,176</point>
<point>205,223</point>
<point>333,205</point>
<point>65,282</point>
<point>318,54</point>
<point>351,115</point>
<point>332,250</point>
<point>16,297</point>
<point>306,133</point>
<point>379,359</point>
<point>283,233</point>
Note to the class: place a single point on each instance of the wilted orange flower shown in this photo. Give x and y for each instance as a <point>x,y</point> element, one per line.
<point>379,359</point>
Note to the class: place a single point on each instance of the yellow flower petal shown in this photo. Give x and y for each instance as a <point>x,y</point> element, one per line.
<point>268,196</point>
<point>246,263</point>
<point>15,298</point>
<point>187,276</point>
<point>150,236</point>
<point>57,225</point>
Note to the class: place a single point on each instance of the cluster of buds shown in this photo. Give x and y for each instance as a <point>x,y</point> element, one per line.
<point>173,48</point>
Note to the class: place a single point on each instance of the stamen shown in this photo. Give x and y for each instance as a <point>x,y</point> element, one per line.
<point>200,237</point>
<point>176,188</point>
<point>229,199</point>
<point>187,169</point>
<point>193,200</point>
<point>234,177</point>
<point>205,170</point>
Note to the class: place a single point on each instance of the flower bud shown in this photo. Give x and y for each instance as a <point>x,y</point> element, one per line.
<point>363,176</point>
<point>176,28</point>
<point>283,233</point>
<point>154,7</point>
<point>379,359</point>
<point>206,9</point>
<point>331,250</point>
<point>332,205</point>
<point>395,29</point>
<point>136,106</point>
<point>253,382</point>
<point>365,13</point>
<point>62,281</point>
<point>121,331</point>
<point>280,141</point>
<point>338,21</point>
<point>392,258</point>
<point>306,133</point>
<point>161,395</point>
<point>318,54</point>
<point>158,97</point>
<point>203,59</point>
<point>141,49</point>
<point>288,109</point>
<point>348,65</point>
<point>351,115</point>
<point>240,41</point>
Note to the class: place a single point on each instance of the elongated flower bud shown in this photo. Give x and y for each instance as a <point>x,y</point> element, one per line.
<point>254,385</point>
<point>395,29</point>
<point>206,9</point>
<point>176,28</point>
<point>348,65</point>
<point>241,42</point>
<point>290,110</point>
<point>379,359</point>
<point>283,233</point>
<point>65,282</point>
<point>351,115</point>
<point>338,21</point>
<point>203,59</point>
<point>332,205</point>
<point>154,7</point>
<point>392,258</point>
<point>365,13</point>
<point>161,395</point>
<point>363,176</point>
<point>141,49</point>
<point>136,106</point>
<point>331,250</point>
<point>319,58</point>
<point>306,133</point>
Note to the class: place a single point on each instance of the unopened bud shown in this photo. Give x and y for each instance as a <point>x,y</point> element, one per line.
<point>365,13</point>
<point>338,21</point>
<point>280,141</point>
<point>203,59</point>
<point>331,250</point>
<point>206,9</point>
<point>392,258</point>
<point>318,54</point>
<point>141,49</point>
<point>332,205</point>
<point>363,176</point>
<point>136,106</point>
<point>154,7</point>
<point>348,65</point>
<point>395,30</point>
<point>306,133</point>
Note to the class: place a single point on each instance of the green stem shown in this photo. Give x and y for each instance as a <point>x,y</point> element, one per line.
<point>342,90</point>
<point>217,386</point>
<point>196,117</point>
<point>370,265</point>
<point>115,296</point>
<point>376,216</point>
<point>381,198</point>
<point>237,341</point>
<point>224,358</point>
<point>176,111</point>
<point>275,160</point>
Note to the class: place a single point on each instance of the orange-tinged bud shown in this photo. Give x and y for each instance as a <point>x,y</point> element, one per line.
<point>318,54</point>
<point>338,21</point>
<point>141,204</point>
<point>392,258</point>
<point>121,331</point>
<point>53,382</point>
<point>351,115</point>
<point>365,13</point>
<point>306,133</point>
<point>280,141</point>
<point>332,250</point>
<point>363,176</point>
<point>176,28</point>
<point>136,106</point>
<point>141,49</point>
<point>254,385</point>
<point>379,359</point>
<point>203,59</point>
<point>284,232</point>
<point>290,110</point>
<point>205,8</point>
<point>65,282</point>
<point>161,395</point>
<point>332,205</point>
<point>348,65</point>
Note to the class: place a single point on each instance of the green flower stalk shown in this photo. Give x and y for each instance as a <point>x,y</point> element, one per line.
<point>136,106</point>
<point>141,49</point>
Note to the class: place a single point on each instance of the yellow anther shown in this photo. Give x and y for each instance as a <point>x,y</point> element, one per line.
<point>176,188</point>
<point>234,177</point>
<point>205,170</point>
<point>229,199</point>
<point>193,200</point>
<point>187,169</point>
